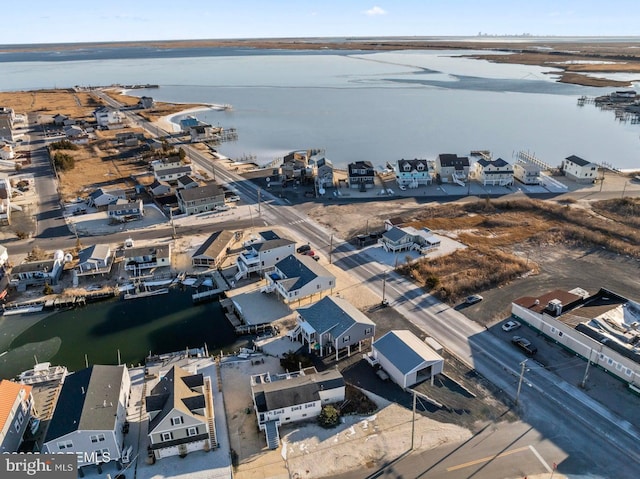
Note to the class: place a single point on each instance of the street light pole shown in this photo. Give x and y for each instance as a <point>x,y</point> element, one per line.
<point>522,365</point>
<point>258,201</point>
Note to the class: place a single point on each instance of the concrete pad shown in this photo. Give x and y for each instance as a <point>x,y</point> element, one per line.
<point>256,307</point>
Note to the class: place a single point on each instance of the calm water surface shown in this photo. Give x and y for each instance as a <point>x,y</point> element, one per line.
<point>359,106</point>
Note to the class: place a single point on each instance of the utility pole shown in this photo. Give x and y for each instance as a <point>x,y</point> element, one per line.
<point>258,201</point>
<point>413,421</point>
<point>624,188</point>
<point>330,248</point>
<point>384,286</point>
<point>522,365</point>
<point>173,227</point>
<point>586,371</point>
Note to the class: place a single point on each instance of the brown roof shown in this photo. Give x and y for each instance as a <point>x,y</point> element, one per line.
<point>215,244</point>
<point>8,393</point>
<point>539,304</point>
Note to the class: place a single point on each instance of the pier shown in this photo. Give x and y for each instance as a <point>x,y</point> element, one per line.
<point>526,157</point>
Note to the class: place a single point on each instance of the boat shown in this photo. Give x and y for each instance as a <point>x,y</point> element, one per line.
<point>42,372</point>
<point>138,293</point>
<point>25,309</point>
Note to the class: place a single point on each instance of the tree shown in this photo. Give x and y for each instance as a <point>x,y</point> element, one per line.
<point>329,417</point>
<point>182,154</point>
<point>63,161</point>
<point>47,289</point>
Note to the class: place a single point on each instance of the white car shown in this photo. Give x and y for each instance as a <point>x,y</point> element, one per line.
<point>510,325</point>
<point>232,198</point>
<point>473,299</point>
<point>402,187</point>
<point>222,208</point>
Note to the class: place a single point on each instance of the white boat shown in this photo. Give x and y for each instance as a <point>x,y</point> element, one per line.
<point>144,294</point>
<point>42,372</point>
<point>36,308</point>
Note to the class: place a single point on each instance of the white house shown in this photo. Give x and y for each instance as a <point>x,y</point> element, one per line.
<point>212,252</point>
<point>181,414</point>
<point>285,398</point>
<point>101,197</point>
<point>405,358</point>
<point>333,325</point>
<point>527,173</point>
<point>124,210</point>
<point>107,117</point>
<point>90,414</point>
<point>601,328</point>
<point>171,173</point>
<point>36,273</point>
<point>297,277</point>
<point>7,120</point>
<point>94,259</point>
<point>262,255</point>
<point>413,173</point>
<point>5,201</point>
<point>408,238</point>
<point>6,151</point>
<point>450,167</point>
<point>147,257</point>
<point>4,256</point>
<point>16,404</point>
<point>580,170</point>
<point>159,188</point>
<point>494,172</point>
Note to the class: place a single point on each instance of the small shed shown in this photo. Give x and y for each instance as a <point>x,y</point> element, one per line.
<point>405,358</point>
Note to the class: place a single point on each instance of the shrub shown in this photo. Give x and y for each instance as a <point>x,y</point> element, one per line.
<point>47,289</point>
<point>63,161</point>
<point>329,417</point>
<point>63,145</point>
<point>295,361</point>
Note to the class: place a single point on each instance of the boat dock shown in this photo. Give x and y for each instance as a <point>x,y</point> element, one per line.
<point>218,285</point>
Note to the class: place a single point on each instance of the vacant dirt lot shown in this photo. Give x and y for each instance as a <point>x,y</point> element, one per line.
<point>77,105</point>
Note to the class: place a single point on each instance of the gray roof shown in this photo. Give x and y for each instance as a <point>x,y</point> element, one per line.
<point>271,244</point>
<point>577,160</point>
<point>96,251</point>
<point>158,251</point>
<point>99,192</point>
<point>175,391</point>
<point>215,244</point>
<point>88,401</point>
<point>394,234</point>
<point>201,192</point>
<point>497,163</point>
<point>46,265</point>
<point>186,180</point>
<point>333,314</point>
<point>173,171</point>
<point>269,235</point>
<point>299,271</point>
<point>296,390</point>
<point>405,350</point>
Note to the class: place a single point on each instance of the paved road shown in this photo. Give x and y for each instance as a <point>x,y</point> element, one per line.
<point>594,438</point>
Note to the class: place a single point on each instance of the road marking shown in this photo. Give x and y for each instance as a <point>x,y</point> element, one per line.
<point>486,459</point>
<point>544,463</point>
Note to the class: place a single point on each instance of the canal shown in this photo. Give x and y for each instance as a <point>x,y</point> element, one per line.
<point>101,331</point>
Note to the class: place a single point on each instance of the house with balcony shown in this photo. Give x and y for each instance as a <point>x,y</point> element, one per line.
<point>602,328</point>
<point>527,173</point>
<point>397,239</point>
<point>284,398</point>
<point>260,256</point>
<point>414,173</point>
<point>494,172</point>
<point>200,199</point>
<point>579,170</point>
<point>143,258</point>
<point>296,277</point>
<point>94,259</point>
<point>90,415</point>
<point>323,171</point>
<point>16,407</point>
<point>333,325</point>
<point>203,132</point>
<point>107,117</point>
<point>451,168</point>
<point>36,273</point>
<point>214,250</point>
<point>124,210</point>
<point>361,174</point>
<point>181,414</point>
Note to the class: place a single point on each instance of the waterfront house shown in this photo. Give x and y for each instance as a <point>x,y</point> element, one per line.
<point>200,199</point>
<point>323,171</point>
<point>188,122</point>
<point>147,257</point>
<point>295,165</point>
<point>202,132</point>
<point>405,358</point>
<point>5,201</point>
<point>90,415</point>
<point>213,251</point>
<point>527,173</point>
<point>494,172</point>
<point>36,273</point>
<point>94,259</point>
<point>333,325</point>
<point>7,120</point>
<point>146,102</point>
<point>398,239</point>
<point>262,254</point>
<point>159,188</point>
<point>124,210</point>
<point>181,414</point>
<point>601,328</point>
<point>187,182</point>
<point>101,197</point>
<point>284,398</point>
<point>107,117</point>
<point>16,403</point>
<point>413,173</point>
<point>579,170</point>
<point>452,168</point>
<point>361,174</point>
<point>298,277</point>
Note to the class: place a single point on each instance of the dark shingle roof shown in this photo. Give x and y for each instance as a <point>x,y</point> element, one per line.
<point>577,160</point>
<point>299,271</point>
<point>270,244</point>
<point>450,159</point>
<point>332,314</point>
<point>201,192</point>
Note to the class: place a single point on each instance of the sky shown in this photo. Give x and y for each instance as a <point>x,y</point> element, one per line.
<point>62,21</point>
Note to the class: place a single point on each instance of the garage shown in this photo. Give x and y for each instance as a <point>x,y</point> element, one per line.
<point>406,358</point>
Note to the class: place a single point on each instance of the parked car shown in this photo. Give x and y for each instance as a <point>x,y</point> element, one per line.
<point>310,253</point>
<point>222,208</point>
<point>316,257</point>
<point>304,248</point>
<point>510,325</point>
<point>232,198</point>
<point>473,299</point>
<point>524,344</point>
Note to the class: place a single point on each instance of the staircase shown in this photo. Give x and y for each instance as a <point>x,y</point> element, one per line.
<point>273,435</point>
<point>208,398</point>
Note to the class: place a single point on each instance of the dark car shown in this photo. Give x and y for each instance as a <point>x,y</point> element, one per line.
<point>524,344</point>
<point>304,248</point>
